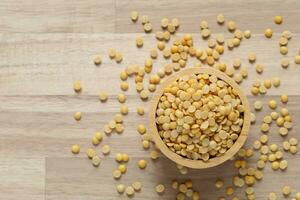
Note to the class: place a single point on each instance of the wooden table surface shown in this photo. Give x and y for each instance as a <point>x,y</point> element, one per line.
<point>46,45</point>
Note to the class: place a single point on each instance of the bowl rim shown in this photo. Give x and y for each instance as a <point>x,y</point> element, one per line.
<point>198,164</point>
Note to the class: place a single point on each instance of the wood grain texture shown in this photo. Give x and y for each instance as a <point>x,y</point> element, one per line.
<point>72,16</point>
<point>46,45</point>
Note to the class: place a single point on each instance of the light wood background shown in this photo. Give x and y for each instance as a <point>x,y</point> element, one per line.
<point>46,45</point>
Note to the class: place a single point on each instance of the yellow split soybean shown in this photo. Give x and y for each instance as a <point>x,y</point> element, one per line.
<point>160,188</point>
<point>137,186</point>
<point>75,149</point>
<point>129,191</point>
<point>96,161</point>
<point>268,33</point>
<point>120,188</point>
<point>142,164</point>
<point>134,16</point>
<point>278,19</point>
<point>105,149</point>
<point>77,86</point>
<point>97,60</point>
<point>77,116</point>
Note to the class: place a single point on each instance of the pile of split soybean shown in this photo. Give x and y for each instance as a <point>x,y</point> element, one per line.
<point>177,53</point>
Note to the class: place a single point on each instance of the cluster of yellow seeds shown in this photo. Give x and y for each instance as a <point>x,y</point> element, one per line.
<point>185,190</point>
<point>199,116</point>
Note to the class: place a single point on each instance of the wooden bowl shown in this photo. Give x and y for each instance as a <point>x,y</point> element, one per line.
<point>198,164</point>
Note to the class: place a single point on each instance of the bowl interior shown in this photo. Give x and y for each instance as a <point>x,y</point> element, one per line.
<point>198,164</point>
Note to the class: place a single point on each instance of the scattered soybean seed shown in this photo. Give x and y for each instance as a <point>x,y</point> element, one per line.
<point>286,190</point>
<point>283,131</point>
<point>118,157</point>
<point>154,154</point>
<point>140,110</point>
<point>112,53</point>
<point>274,115</point>
<point>272,196</point>
<point>231,25</point>
<point>286,34</point>
<point>260,164</point>
<point>145,19</point>
<point>251,57</point>
<point>219,183</point>
<point>293,141</point>
<point>137,186</point>
<point>258,105</point>
<point>95,141</point>
<point>284,98</point>
<point>275,165</point>
<point>268,83</point>
<point>117,174</point>
<point>120,188</point>
<point>75,149</point>
<point>77,116</point>
<point>278,19</point>
<point>273,147</point>
<point>125,157</point>
<point>122,98</point>
<point>293,149</point>
<point>256,144</point>
<point>142,164</point>
<point>284,112</point>
<point>262,89</point>
<point>103,96</point>
<point>247,34</point>
<point>96,161</point>
<point>272,104</point>
<point>123,75</point>
<point>236,63</point>
<point>119,57</point>
<point>164,22</point>
<point>285,63</point>
<point>252,118</point>
<point>283,50</point>
<point>105,149</point>
<point>124,109</point>
<point>259,68</point>
<point>77,86</point>
<point>90,153</point>
<point>276,82</point>
<point>134,15</point>
<point>153,53</point>
<point>129,191</point>
<point>268,33</point>
<point>144,94</point>
<point>139,42</point>
<point>175,22</point>
<point>141,129</point>
<point>160,188</point>
<point>124,86</point>
<point>98,136</point>
<point>122,168</point>
<point>229,191</point>
<point>204,24</point>
<point>264,139</point>
<point>283,41</point>
<point>283,164</point>
<point>148,27</point>
<point>220,19</point>
<point>97,60</point>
